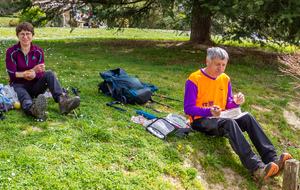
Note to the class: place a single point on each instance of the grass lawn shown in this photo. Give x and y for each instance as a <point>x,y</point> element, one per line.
<point>103,149</point>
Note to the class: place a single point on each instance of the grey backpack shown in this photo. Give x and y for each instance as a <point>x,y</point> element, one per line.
<point>9,92</point>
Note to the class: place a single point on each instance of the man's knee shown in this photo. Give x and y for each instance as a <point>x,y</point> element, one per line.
<point>246,119</point>
<point>248,116</point>
<point>230,125</point>
<point>229,121</point>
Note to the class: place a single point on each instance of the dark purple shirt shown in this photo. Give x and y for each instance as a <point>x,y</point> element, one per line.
<point>16,61</point>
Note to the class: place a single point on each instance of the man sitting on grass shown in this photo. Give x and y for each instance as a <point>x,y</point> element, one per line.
<point>26,70</point>
<point>208,92</point>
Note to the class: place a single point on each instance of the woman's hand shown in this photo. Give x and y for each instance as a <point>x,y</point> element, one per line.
<point>39,68</point>
<point>29,78</point>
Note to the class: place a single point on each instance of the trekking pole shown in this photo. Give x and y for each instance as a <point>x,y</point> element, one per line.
<point>75,113</point>
<point>149,106</point>
<point>162,96</point>
<point>75,91</point>
<point>140,112</point>
<point>162,104</point>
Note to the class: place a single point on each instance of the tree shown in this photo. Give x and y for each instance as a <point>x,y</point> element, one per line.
<point>262,20</point>
<point>290,65</point>
<point>33,15</point>
<point>6,8</point>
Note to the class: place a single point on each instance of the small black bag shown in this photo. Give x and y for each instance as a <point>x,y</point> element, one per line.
<point>162,127</point>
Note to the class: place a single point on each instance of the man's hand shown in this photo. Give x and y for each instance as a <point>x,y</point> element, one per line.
<point>215,111</point>
<point>239,98</point>
<point>39,68</point>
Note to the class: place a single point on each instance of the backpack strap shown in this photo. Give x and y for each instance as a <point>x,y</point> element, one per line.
<point>115,102</point>
<point>116,91</point>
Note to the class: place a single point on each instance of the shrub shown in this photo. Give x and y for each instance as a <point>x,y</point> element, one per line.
<point>33,15</point>
<point>13,22</point>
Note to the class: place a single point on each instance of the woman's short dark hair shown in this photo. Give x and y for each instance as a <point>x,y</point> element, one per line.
<point>26,26</point>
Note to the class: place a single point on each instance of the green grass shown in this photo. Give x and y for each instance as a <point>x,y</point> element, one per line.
<point>103,149</point>
<point>90,33</point>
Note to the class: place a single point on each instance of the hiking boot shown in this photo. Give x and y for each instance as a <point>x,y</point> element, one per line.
<point>39,107</point>
<point>280,162</point>
<point>263,173</point>
<point>67,104</point>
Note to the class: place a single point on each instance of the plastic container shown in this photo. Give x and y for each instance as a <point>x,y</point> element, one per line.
<point>25,74</point>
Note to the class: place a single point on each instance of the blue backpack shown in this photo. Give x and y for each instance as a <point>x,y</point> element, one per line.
<point>124,88</point>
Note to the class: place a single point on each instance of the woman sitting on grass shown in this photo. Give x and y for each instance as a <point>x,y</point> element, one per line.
<point>26,70</point>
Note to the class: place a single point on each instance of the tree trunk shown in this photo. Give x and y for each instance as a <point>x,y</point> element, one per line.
<point>200,26</point>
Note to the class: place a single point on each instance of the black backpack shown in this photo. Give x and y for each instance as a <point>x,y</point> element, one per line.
<point>124,88</point>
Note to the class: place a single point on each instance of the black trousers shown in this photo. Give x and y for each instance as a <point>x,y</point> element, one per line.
<point>233,130</point>
<point>26,92</point>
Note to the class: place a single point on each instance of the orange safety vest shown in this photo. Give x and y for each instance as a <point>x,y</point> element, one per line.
<point>210,91</point>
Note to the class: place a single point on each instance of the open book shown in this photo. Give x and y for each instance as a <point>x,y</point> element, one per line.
<point>234,113</point>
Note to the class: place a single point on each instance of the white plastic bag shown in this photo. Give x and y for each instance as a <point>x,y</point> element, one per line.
<point>138,119</point>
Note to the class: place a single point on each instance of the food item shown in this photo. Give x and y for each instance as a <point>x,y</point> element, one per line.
<point>17,105</point>
<point>25,74</point>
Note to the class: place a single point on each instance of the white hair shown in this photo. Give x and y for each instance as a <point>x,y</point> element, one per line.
<point>216,51</point>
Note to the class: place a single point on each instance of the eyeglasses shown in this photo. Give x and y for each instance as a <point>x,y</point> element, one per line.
<point>28,35</point>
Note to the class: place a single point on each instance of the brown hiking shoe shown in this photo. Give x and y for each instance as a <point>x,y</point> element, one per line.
<point>263,173</point>
<point>39,107</point>
<point>67,104</point>
<point>280,162</point>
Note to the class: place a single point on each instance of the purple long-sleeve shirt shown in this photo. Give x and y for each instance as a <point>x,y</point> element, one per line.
<point>16,61</point>
<point>191,91</point>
